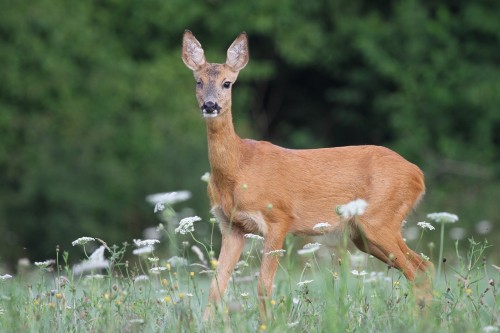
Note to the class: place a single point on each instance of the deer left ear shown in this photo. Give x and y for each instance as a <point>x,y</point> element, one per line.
<point>237,54</point>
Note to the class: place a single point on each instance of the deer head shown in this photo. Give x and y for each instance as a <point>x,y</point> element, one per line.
<point>214,81</point>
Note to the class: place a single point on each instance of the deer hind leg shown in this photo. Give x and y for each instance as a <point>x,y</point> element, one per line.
<point>384,241</point>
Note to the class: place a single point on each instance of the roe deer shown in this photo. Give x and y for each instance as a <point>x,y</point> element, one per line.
<point>257,187</point>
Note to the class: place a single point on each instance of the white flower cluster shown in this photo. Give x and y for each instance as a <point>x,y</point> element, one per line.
<point>425,225</point>
<point>309,248</point>
<point>167,198</point>
<point>254,236</point>
<point>322,226</point>
<point>277,253</point>
<point>46,263</point>
<point>145,242</point>
<point>206,177</point>
<point>5,277</point>
<point>82,241</point>
<point>157,270</point>
<point>176,261</point>
<point>358,273</point>
<point>443,217</point>
<point>96,261</point>
<point>186,225</point>
<point>353,208</point>
<point>426,258</point>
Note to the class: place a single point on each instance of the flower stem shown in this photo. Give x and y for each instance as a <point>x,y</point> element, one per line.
<point>441,245</point>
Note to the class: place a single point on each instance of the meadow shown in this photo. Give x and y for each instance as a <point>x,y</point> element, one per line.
<point>320,287</point>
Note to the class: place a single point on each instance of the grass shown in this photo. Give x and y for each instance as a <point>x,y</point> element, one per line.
<point>325,290</point>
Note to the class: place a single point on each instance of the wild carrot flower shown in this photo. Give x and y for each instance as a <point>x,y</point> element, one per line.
<point>277,253</point>
<point>186,225</point>
<point>425,225</point>
<point>206,177</point>
<point>146,242</point>
<point>176,261</point>
<point>322,226</point>
<point>143,250</point>
<point>157,270</point>
<point>140,278</point>
<point>44,264</point>
<point>95,261</point>
<point>426,258</point>
<point>353,208</point>
<point>82,241</point>
<point>443,217</point>
<point>309,248</point>
<point>358,273</point>
<point>254,236</point>
<point>5,277</point>
<point>167,198</point>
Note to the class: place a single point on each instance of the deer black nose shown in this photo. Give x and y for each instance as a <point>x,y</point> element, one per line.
<point>210,107</point>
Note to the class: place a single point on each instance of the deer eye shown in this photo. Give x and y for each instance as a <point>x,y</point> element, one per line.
<point>227,84</point>
<point>199,84</point>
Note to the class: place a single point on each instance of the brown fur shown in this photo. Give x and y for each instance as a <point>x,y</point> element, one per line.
<point>293,190</point>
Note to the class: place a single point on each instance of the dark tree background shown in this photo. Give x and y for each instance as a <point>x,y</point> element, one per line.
<point>97,109</point>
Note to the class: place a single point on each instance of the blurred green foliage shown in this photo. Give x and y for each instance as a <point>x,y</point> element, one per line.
<point>97,109</point>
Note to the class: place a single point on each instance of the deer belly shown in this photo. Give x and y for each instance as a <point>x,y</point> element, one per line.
<point>248,221</point>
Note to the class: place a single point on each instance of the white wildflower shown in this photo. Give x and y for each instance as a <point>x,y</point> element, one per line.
<point>153,259</point>
<point>425,225</point>
<point>277,253</point>
<point>322,226</point>
<point>95,261</point>
<point>490,328</point>
<point>5,277</point>
<point>140,278</point>
<point>353,208</point>
<point>186,225</point>
<point>143,250</point>
<point>290,325</point>
<point>309,248</point>
<point>46,263</point>
<point>206,177</point>
<point>303,283</point>
<point>357,273</point>
<point>244,295</point>
<point>457,233</point>
<point>443,217</point>
<point>95,277</point>
<point>146,242</point>
<point>82,241</point>
<point>426,258</point>
<point>254,236</point>
<point>176,261</point>
<point>167,198</point>
<point>157,270</point>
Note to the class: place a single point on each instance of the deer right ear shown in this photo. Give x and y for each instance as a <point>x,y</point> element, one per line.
<point>192,53</point>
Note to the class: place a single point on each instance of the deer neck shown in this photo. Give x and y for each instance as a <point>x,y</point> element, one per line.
<point>224,147</point>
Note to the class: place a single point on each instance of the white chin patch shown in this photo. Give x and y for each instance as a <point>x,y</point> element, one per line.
<point>210,115</point>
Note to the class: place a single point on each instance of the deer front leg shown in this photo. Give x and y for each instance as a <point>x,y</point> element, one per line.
<point>231,247</point>
<point>273,242</point>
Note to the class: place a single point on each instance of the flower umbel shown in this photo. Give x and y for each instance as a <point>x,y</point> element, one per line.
<point>186,225</point>
<point>443,217</point>
<point>426,225</point>
<point>277,253</point>
<point>145,242</point>
<point>353,208</point>
<point>254,236</point>
<point>82,241</point>
<point>322,226</point>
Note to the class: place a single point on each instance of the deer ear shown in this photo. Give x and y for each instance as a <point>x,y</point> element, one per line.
<point>192,52</point>
<point>237,54</point>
